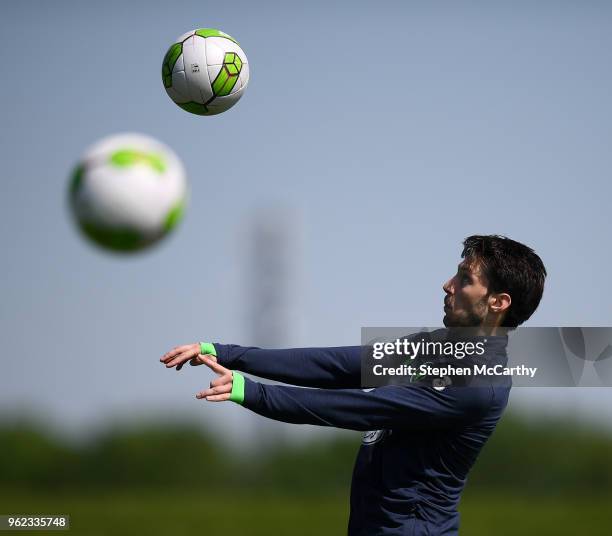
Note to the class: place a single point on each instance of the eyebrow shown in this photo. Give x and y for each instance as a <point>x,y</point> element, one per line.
<point>465,270</point>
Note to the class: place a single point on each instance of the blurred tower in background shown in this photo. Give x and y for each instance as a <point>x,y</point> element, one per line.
<point>271,274</point>
<point>272,289</point>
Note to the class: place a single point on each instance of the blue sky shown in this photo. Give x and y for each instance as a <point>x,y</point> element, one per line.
<point>389,130</point>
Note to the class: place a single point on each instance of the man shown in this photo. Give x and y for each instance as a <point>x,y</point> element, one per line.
<point>411,469</point>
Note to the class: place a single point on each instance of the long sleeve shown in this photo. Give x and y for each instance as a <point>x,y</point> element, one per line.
<point>388,407</point>
<point>331,368</point>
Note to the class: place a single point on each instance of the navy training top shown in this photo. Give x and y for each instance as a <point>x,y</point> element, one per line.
<point>419,442</point>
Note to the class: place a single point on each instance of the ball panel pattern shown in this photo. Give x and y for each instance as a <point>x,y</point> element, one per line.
<point>202,67</point>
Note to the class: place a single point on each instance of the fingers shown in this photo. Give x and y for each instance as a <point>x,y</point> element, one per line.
<point>174,352</point>
<point>220,380</point>
<point>196,362</point>
<point>214,366</point>
<point>180,358</point>
<point>177,357</point>
<point>214,391</point>
<point>221,387</point>
<point>218,398</point>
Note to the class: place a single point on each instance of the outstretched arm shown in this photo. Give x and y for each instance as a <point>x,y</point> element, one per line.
<point>392,406</point>
<point>332,368</point>
<point>336,367</point>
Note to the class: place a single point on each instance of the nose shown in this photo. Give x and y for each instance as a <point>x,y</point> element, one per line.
<point>448,286</point>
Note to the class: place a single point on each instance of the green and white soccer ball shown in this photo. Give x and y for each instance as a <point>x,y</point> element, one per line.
<point>127,192</point>
<point>205,71</point>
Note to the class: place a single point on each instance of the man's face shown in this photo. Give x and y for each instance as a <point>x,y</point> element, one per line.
<point>465,303</point>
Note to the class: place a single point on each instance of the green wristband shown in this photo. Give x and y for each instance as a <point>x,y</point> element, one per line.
<point>237,394</point>
<point>208,348</point>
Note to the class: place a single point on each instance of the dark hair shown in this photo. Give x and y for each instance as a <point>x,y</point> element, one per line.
<point>510,267</point>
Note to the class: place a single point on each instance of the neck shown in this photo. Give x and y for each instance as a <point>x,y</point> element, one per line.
<point>488,330</point>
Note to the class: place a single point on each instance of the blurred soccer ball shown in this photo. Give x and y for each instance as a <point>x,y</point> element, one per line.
<point>127,192</point>
<point>205,71</point>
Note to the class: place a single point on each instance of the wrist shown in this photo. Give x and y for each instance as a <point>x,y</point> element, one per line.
<point>208,348</point>
<point>237,394</point>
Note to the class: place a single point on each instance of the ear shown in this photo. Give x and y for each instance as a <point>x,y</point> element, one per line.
<point>499,303</point>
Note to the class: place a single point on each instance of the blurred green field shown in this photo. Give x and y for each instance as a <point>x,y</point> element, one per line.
<point>155,512</point>
<point>533,478</point>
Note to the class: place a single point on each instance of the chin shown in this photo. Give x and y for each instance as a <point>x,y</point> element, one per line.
<point>461,321</point>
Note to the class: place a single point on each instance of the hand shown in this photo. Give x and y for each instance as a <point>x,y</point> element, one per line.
<point>178,356</point>
<point>221,387</point>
